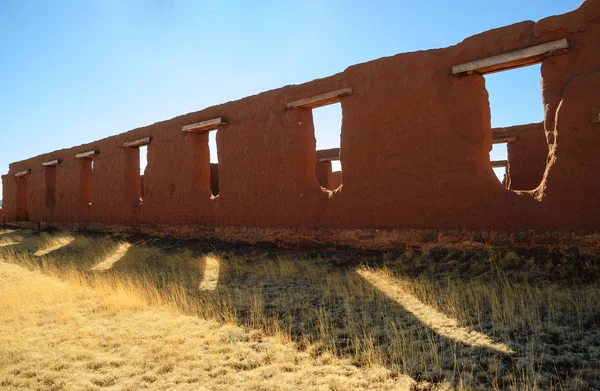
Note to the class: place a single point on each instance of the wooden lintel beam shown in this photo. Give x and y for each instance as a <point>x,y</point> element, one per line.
<point>23,173</point>
<point>518,58</point>
<point>51,163</point>
<point>328,159</point>
<point>499,163</point>
<point>204,125</point>
<point>87,154</point>
<point>505,139</point>
<point>516,129</point>
<point>327,155</point>
<point>137,143</point>
<point>320,100</point>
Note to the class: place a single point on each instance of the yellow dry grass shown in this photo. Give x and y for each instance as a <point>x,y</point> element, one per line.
<point>81,333</point>
<point>108,262</point>
<point>211,273</point>
<point>105,312</point>
<point>54,245</point>
<point>62,335</point>
<point>429,316</point>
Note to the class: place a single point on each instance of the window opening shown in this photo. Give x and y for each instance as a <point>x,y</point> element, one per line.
<point>327,122</point>
<point>214,162</point>
<point>515,98</point>
<point>87,167</point>
<point>143,161</point>
<point>211,127</point>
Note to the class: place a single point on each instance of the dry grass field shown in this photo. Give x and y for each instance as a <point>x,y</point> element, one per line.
<point>95,312</point>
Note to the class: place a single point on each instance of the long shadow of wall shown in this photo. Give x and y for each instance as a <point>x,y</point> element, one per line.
<point>320,298</point>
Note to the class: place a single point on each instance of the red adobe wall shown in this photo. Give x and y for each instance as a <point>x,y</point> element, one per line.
<point>336,176</point>
<point>325,175</point>
<point>527,155</point>
<point>415,150</point>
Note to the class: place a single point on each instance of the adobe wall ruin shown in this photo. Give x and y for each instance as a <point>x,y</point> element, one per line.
<point>415,148</point>
<point>527,155</point>
<point>336,176</point>
<point>325,175</point>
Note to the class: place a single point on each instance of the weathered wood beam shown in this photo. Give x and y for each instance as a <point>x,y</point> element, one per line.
<point>504,139</point>
<point>51,163</point>
<point>327,155</point>
<point>320,100</point>
<point>518,58</point>
<point>23,173</point>
<point>516,129</point>
<point>136,143</point>
<point>87,154</point>
<point>204,125</point>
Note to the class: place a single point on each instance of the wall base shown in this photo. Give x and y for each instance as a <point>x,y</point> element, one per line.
<point>372,239</point>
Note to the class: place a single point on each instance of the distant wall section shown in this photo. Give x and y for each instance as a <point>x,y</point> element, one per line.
<point>527,155</point>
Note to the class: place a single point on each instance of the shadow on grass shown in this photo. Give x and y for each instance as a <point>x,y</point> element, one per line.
<point>14,235</point>
<point>8,231</point>
<point>320,298</point>
<point>26,241</point>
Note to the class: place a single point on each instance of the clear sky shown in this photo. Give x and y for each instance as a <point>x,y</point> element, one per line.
<point>76,71</point>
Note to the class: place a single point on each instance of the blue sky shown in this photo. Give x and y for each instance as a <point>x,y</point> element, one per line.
<point>76,71</point>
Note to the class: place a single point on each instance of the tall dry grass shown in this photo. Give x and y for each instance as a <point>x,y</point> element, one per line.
<point>65,328</point>
<point>417,314</point>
